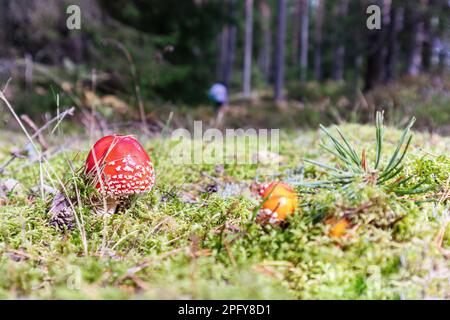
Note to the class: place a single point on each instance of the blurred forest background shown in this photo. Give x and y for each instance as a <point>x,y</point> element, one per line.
<point>288,63</point>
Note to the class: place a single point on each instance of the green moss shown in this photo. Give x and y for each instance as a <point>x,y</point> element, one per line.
<point>163,246</point>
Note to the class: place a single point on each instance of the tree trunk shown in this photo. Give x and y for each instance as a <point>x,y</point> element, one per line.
<point>444,60</point>
<point>442,45</point>
<point>427,46</point>
<point>417,31</point>
<point>376,49</point>
<point>296,18</point>
<point>3,27</point>
<point>304,23</point>
<point>436,44</point>
<point>339,50</point>
<point>230,44</point>
<point>357,63</point>
<point>248,48</point>
<point>279,50</point>
<point>231,55</point>
<point>397,18</point>
<point>266,50</point>
<point>318,34</point>
<point>223,52</point>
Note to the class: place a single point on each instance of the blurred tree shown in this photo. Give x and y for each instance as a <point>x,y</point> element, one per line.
<point>416,19</point>
<point>392,56</point>
<point>265,54</point>
<point>3,27</point>
<point>181,47</point>
<point>340,13</point>
<point>304,36</point>
<point>227,48</point>
<point>189,27</point>
<point>295,34</point>
<point>436,25</point>
<point>248,48</point>
<point>427,40</point>
<point>318,35</point>
<point>376,49</point>
<point>279,50</point>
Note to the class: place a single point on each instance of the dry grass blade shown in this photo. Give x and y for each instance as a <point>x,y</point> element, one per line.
<point>45,167</point>
<point>59,118</point>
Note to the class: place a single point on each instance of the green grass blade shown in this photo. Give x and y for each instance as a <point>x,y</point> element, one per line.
<point>395,165</point>
<point>345,160</point>
<point>393,173</point>
<point>325,166</point>
<point>405,134</point>
<point>354,157</point>
<point>339,147</point>
<point>379,137</point>
<point>346,151</point>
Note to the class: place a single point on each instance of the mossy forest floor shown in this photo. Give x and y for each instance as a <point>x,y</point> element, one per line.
<point>185,239</point>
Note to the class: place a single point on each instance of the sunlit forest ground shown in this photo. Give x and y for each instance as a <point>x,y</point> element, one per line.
<point>185,239</point>
<point>144,68</point>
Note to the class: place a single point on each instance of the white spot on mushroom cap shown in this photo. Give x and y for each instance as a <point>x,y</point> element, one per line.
<point>140,178</point>
<point>128,168</point>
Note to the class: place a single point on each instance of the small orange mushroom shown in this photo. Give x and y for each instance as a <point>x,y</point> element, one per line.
<point>338,227</point>
<point>280,200</point>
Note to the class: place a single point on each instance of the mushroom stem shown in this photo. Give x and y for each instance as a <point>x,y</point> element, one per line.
<point>108,206</point>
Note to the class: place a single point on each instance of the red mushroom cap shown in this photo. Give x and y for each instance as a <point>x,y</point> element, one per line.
<point>123,166</point>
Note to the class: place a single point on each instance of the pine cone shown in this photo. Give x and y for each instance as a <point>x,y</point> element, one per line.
<point>62,213</point>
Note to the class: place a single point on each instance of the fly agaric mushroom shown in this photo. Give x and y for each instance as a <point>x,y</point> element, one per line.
<point>280,200</point>
<point>119,167</point>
